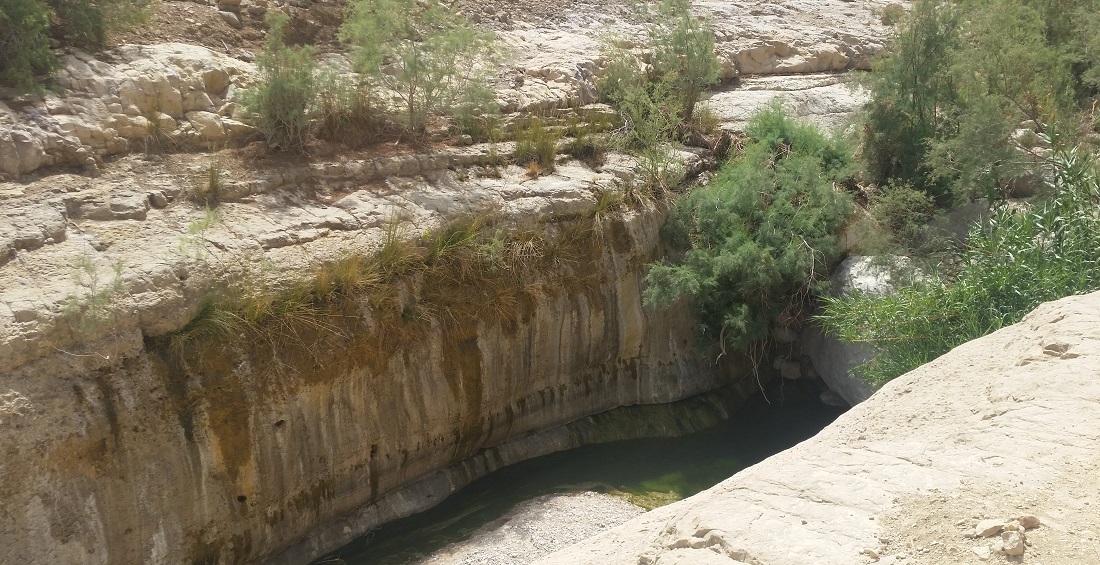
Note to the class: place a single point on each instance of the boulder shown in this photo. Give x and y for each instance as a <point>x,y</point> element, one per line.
<point>208,125</point>
<point>834,360</point>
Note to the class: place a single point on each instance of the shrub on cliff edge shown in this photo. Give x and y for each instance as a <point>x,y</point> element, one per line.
<point>26,27</point>
<point>282,99</point>
<point>758,240</point>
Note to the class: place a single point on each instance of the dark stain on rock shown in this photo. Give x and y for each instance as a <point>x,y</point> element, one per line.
<point>110,410</point>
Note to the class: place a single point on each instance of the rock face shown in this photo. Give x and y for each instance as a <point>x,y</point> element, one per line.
<point>117,101</point>
<point>1002,426</point>
<point>834,360</point>
<point>117,453</point>
<point>827,101</point>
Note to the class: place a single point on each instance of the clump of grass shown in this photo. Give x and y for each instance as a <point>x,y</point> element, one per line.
<point>209,188</point>
<point>588,148</point>
<point>536,147</point>
<point>607,202</point>
<point>345,111</point>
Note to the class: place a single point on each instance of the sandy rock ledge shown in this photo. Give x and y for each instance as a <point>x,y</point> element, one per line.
<point>1005,428</point>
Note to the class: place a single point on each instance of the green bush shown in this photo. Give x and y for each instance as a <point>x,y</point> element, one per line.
<point>431,57</point>
<point>904,213</point>
<point>758,240</point>
<point>962,76</point>
<point>681,67</point>
<point>281,101</point>
<point>658,100</point>
<point>683,52</point>
<point>345,110</point>
<point>23,40</point>
<point>26,27</point>
<point>1019,260</point>
<point>85,23</point>
<point>908,90</point>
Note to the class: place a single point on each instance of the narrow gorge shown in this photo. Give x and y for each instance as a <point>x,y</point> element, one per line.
<point>215,352</point>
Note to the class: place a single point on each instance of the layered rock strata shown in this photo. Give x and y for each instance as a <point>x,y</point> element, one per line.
<point>119,449</point>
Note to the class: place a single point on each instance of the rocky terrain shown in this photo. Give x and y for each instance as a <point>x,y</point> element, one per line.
<point>990,454</point>
<point>113,453</point>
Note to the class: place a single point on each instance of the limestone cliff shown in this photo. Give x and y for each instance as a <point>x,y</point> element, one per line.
<point>116,451</point>
<point>930,469</point>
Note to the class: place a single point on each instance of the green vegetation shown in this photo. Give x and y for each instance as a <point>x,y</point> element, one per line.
<point>209,187</point>
<point>1022,258</point>
<point>973,96</point>
<point>282,100</point>
<point>758,240</point>
<point>681,66</point>
<point>90,311</point>
<point>536,146</point>
<point>962,77</point>
<point>424,53</point>
<point>657,101</point>
<point>26,27</point>
<point>902,214</point>
<point>345,110</point>
<point>429,55</point>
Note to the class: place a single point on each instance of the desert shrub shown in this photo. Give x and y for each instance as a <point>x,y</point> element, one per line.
<point>1019,259</point>
<point>892,14</point>
<point>587,147</point>
<point>476,113</point>
<point>208,187</point>
<point>85,23</point>
<point>650,116</point>
<point>683,52</point>
<point>431,57</point>
<point>345,109</point>
<point>908,90</point>
<point>681,66</point>
<point>286,90</point>
<point>903,212</point>
<point>91,310</point>
<point>24,25</point>
<point>962,77</point>
<point>658,99</point>
<point>758,240</point>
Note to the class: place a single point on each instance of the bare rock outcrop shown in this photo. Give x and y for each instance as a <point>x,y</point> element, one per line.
<point>115,101</point>
<point>141,97</point>
<point>1006,427</point>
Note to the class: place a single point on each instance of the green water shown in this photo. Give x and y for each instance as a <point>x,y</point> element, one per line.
<point>660,470</point>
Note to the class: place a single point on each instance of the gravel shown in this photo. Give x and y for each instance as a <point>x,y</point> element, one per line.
<point>536,528</point>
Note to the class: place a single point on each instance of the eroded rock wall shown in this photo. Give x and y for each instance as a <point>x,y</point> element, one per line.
<point>237,455</point>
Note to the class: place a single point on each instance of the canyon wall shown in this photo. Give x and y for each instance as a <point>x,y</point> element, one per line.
<point>234,455</point>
